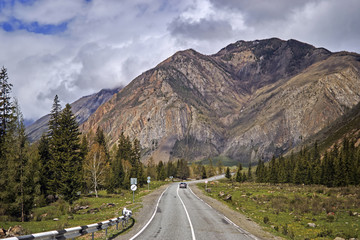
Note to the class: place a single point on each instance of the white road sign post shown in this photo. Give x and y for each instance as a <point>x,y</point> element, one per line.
<point>133,188</point>
<point>148,181</point>
<point>206,184</point>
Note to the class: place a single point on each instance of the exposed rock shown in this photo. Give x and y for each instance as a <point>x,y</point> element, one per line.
<point>313,225</point>
<point>221,194</point>
<point>250,100</point>
<point>228,197</point>
<point>339,238</point>
<point>14,231</point>
<point>55,219</point>
<point>2,232</point>
<point>93,210</point>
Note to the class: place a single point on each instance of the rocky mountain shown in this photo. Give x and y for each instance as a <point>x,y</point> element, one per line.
<point>81,108</point>
<point>251,100</point>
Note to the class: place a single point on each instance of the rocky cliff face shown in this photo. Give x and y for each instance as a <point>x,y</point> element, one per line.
<point>81,108</point>
<point>250,100</point>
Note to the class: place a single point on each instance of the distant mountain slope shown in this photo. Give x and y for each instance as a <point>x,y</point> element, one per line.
<point>81,108</point>
<point>250,100</point>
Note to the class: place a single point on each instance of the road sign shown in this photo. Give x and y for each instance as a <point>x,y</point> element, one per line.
<point>133,181</point>
<point>148,178</point>
<point>148,181</point>
<point>133,187</point>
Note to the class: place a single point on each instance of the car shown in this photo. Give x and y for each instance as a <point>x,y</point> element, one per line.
<point>182,185</point>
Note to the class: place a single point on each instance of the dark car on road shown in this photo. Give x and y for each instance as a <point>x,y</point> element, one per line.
<point>182,185</point>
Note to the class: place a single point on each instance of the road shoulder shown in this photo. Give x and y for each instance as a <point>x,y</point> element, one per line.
<point>144,214</point>
<point>236,217</point>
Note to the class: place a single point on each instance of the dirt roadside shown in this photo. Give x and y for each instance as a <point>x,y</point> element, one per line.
<point>242,221</point>
<point>149,203</point>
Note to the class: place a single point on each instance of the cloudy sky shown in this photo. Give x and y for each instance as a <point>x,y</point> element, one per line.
<point>77,47</point>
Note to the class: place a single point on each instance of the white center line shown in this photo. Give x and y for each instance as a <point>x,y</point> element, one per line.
<point>187,214</point>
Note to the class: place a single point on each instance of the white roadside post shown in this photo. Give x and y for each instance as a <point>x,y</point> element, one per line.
<point>148,181</point>
<point>206,181</point>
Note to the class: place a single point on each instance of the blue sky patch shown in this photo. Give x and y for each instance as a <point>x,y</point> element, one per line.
<point>14,24</point>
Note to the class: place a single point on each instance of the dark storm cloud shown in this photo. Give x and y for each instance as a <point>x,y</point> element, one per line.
<point>204,29</point>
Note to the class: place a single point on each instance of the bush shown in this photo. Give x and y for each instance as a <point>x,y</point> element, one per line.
<point>266,220</point>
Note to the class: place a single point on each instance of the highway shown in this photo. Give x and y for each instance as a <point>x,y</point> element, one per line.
<point>180,214</point>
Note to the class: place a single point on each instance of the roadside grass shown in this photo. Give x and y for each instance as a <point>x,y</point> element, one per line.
<point>98,210</point>
<point>293,211</point>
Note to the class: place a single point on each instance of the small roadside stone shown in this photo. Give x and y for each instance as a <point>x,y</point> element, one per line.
<point>55,219</point>
<point>313,225</point>
<point>339,238</point>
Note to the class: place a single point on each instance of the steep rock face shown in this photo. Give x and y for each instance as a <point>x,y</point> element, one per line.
<point>81,108</point>
<point>250,100</point>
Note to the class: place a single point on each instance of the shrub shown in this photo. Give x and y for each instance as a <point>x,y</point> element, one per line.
<point>266,220</point>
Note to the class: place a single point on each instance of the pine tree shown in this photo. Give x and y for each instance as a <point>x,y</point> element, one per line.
<point>54,162</point>
<point>45,168</point>
<point>228,174</point>
<point>238,176</point>
<point>203,175</point>
<point>100,138</point>
<point>67,151</point>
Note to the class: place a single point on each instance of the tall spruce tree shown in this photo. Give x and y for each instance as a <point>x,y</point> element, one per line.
<point>54,163</point>
<point>67,150</point>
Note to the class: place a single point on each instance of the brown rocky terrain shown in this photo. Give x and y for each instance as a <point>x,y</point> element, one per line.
<point>250,100</point>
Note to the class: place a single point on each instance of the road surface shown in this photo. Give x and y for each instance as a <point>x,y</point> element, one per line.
<point>180,214</point>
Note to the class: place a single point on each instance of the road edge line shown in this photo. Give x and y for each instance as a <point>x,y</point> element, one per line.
<point>227,219</point>
<point>152,217</point>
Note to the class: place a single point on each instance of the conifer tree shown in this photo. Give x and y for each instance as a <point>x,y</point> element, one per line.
<point>203,175</point>
<point>228,174</point>
<point>54,163</point>
<point>238,176</point>
<point>67,151</point>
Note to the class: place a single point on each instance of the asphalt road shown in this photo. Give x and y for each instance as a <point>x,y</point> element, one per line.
<point>180,214</point>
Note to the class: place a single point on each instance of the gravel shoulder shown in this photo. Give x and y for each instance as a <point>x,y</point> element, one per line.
<point>149,203</point>
<point>239,219</point>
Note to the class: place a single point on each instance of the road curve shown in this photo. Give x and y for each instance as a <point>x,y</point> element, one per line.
<point>180,214</point>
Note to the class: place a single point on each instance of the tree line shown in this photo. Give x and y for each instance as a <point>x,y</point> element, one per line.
<point>337,167</point>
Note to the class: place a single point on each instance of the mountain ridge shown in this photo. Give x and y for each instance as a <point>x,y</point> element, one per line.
<point>250,100</point>
<point>195,106</point>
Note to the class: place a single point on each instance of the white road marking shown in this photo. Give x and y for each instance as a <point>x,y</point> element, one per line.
<point>227,219</point>
<point>187,214</point>
<point>152,217</point>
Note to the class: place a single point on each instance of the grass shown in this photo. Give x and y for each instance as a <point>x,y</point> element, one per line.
<point>43,218</point>
<point>286,210</point>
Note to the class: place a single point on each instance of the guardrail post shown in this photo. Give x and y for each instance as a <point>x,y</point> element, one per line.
<point>92,235</point>
<point>117,225</point>
<point>105,231</point>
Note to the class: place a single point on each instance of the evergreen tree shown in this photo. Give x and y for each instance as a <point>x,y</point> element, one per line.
<point>54,162</point>
<point>46,172</point>
<point>67,154</point>
<point>228,174</point>
<point>203,175</point>
<point>100,139</point>
<point>238,176</point>
<point>161,171</point>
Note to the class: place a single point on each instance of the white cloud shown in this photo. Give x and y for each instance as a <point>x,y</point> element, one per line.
<point>108,43</point>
